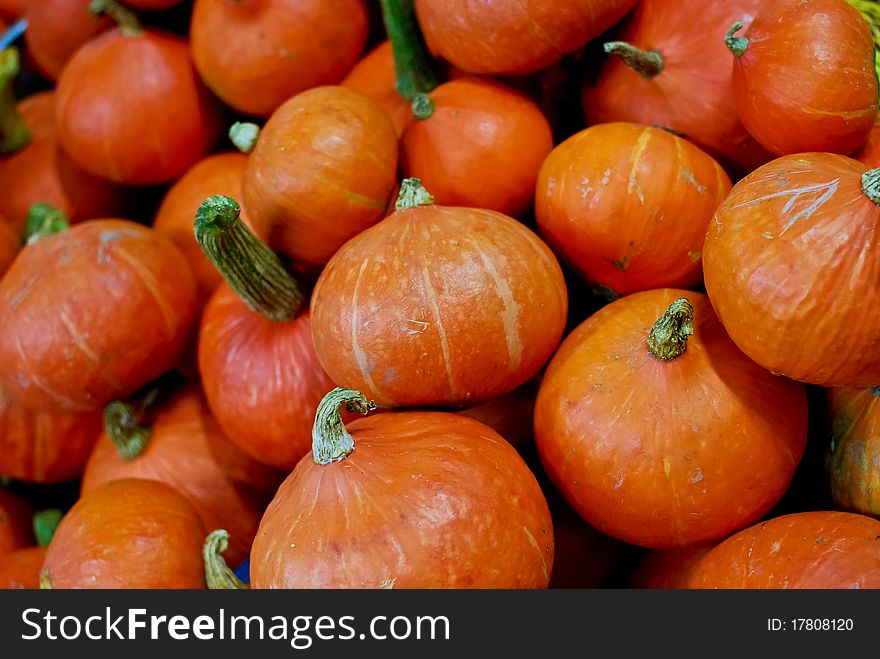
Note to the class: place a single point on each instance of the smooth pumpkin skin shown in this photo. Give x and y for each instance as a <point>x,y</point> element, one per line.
<point>510,415</point>
<point>482,146</point>
<point>512,37</point>
<point>220,173</point>
<point>869,153</point>
<point>9,245</point>
<point>133,110</point>
<point>668,569</point>
<point>854,455</point>
<point>256,54</point>
<point>262,379</point>
<point>20,569</point>
<point>439,306</point>
<point>425,500</point>
<point>188,451</point>
<point>790,264</point>
<point>45,447</point>
<point>42,172</point>
<point>374,75</point>
<point>627,206</point>
<point>322,171</point>
<point>666,454</point>
<point>15,523</point>
<point>129,533</point>
<point>692,94</point>
<point>807,80</point>
<point>814,550</point>
<point>56,29</point>
<point>91,314</point>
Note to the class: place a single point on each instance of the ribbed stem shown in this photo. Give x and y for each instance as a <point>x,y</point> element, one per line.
<point>43,220</point>
<point>124,17</point>
<point>129,424</point>
<point>250,268</point>
<point>244,135</point>
<point>412,62</point>
<point>736,45</point>
<point>647,63</point>
<point>668,337</point>
<point>45,523</point>
<point>218,575</point>
<point>330,440</point>
<point>14,132</point>
<point>871,185</point>
<point>422,107</point>
<point>412,194</point>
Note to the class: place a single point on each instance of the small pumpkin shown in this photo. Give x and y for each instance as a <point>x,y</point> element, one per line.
<point>91,314</point>
<point>323,170</point>
<point>438,306</point>
<point>129,533</point>
<point>803,76</point>
<point>20,569</point>
<point>813,550</point>
<point>374,75</point>
<point>404,500</point>
<point>300,44</point>
<point>869,153</point>
<point>510,415</point>
<point>58,28</point>
<point>659,431</point>
<point>627,206</point>
<point>15,523</point>
<point>854,451</point>
<point>131,107</point>
<point>790,263</point>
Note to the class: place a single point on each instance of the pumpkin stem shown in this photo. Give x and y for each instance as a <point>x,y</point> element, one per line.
<point>121,424</point>
<point>736,45</point>
<point>250,268</point>
<point>647,63</point>
<point>870,11</point>
<point>422,107</point>
<point>14,132</point>
<point>45,522</point>
<point>124,17</point>
<point>412,62</point>
<point>45,580</point>
<point>218,575</point>
<point>668,337</point>
<point>43,220</point>
<point>330,440</point>
<point>412,194</point>
<point>244,135</point>
<point>871,185</point>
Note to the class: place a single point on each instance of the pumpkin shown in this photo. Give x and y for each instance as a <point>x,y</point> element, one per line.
<point>669,67</point>
<point>92,314</point>
<point>667,569</point>
<point>374,75</point>
<point>795,247</point>
<point>20,569</point>
<point>510,415</point>
<point>256,54</point>
<point>322,171</point>
<point>466,510</point>
<point>869,153</point>
<point>131,108</point>
<point>15,523</point>
<point>9,245</point>
<point>185,448</point>
<point>44,447</point>
<point>220,173</point>
<point>803,76</point>
<point>507,37</point>
<point>438,306</point>
<point>128,533</point>
<point>261,377</point>
<point>41,172</point>
<point>854,452</point>
<point>627,206</point>
<point>56,29</point>
<point>481,146</point>
<point>813,550</point>
<point>13,8</point>
<point>659,431</point>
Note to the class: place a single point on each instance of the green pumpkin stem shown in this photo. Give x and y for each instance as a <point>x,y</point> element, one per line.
<point>43,220</point>
<point>244,135</point>
<point>667,339</point>
<point>45,580</point>
<point>331,442</point>
<point>218,575</point>
<point>129,423</point>
<point>412,62</point>
<point>250,268</point>
<point>14,132</point>
<point>126,19</point>
<point>45,522</point>
<point>736,45</point>
<point>647,63</point>
<point>871,185</point>
<point>412,193</point>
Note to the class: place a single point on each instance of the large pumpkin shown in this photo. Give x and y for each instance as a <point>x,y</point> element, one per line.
<point>438,306</point>
<point>790,263</point>
<point>854,451</point>
<point>659,431</point>
<point>404,500</point>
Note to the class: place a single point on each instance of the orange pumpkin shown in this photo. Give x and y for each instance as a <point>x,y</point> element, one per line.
<point>854,453</point>
<point>667,569</point>
<point>20,569</point>
<point>510,415</point>
<point>15,523</point>
<point>628,206</point>
<point>58,28</point>
<point>466,512</point>
<point>869,153</point>
<point>659,431</point>
<point>9,245</point>
<point>438,306</point>
<point>374,75</point>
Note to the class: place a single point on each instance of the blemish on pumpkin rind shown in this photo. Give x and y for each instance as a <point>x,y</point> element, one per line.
<point>691,180</point>
<point>621,264</point>
<point>695,256</point>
